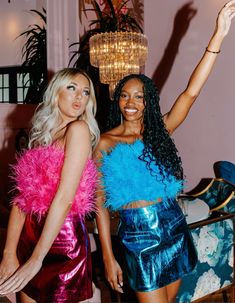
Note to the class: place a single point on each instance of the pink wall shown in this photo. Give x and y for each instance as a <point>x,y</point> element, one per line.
<point>207,134</point>
<point>12,118</point>
<point>14,19</point>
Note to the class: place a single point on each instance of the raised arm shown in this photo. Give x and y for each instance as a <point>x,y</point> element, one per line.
<point>183,103</point>
<point>113,271</point>
<point>77,151</point>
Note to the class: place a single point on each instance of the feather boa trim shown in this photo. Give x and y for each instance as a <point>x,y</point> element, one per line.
<point>37,175</point>
<point>126,179</point>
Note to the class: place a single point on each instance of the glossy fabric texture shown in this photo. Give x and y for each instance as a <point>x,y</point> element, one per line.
<point>126,179</point>
<point>157,244</point>
<point>66,274</point>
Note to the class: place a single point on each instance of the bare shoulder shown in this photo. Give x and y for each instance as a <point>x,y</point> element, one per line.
<point>77,131</point>
<point>77,125</point>
<point>106,141</point>
<point>77,128</point>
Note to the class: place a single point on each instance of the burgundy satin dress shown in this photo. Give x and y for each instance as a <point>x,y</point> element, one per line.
<point>66,274</point>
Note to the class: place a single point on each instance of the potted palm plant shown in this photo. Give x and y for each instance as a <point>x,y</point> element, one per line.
<point>34,55</point>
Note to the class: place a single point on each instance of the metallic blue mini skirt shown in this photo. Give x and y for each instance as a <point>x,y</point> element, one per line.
<point>158,245</point>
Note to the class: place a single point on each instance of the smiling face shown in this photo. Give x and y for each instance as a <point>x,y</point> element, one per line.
<point>73,98</point>
<point>131,101</point>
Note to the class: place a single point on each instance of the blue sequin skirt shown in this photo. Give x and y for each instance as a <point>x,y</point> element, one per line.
<point>158,245</point>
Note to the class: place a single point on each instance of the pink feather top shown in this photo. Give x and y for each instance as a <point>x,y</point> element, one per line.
<point>37,175</point>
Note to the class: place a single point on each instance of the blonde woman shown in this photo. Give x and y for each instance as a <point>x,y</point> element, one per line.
<point>47,252</point>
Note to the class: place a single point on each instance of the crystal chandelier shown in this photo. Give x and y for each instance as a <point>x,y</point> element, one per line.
<point>117,54</point>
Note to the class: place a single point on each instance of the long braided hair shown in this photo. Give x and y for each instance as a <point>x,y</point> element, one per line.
<point>158,145</point>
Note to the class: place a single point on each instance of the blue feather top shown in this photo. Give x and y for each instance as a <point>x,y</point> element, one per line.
<point>125,178</point>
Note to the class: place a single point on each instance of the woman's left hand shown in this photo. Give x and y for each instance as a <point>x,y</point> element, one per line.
<point>21,277</point>
<point>225,17</point>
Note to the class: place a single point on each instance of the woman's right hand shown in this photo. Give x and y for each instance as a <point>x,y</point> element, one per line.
<point>113,274</point>
<point>8,266</point>
<point>22,276</point>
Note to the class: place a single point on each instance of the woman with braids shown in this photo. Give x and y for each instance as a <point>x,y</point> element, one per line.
<point>47,251</point>
<point>141,175</point>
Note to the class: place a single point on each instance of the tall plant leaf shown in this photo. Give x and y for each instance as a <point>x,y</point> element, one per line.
<point>34,55</point>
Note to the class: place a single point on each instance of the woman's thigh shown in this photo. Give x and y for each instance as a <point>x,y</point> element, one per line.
<point>166,294</point>
<point>172,290</point>
<point>23,298</point>
<point>156,296</point>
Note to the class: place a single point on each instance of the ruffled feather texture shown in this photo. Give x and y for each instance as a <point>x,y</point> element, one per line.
<point>126,179</point>
<point>37,175</point>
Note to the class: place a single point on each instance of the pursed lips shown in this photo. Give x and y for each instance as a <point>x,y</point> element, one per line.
<point>76,105</point>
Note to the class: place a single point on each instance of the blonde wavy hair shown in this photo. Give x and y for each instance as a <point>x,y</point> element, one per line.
<point>47,115</point>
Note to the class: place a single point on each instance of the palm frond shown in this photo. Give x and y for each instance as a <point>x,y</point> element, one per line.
<point>40,14</point>
<point>34,55</point>
<point>112,9</point>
